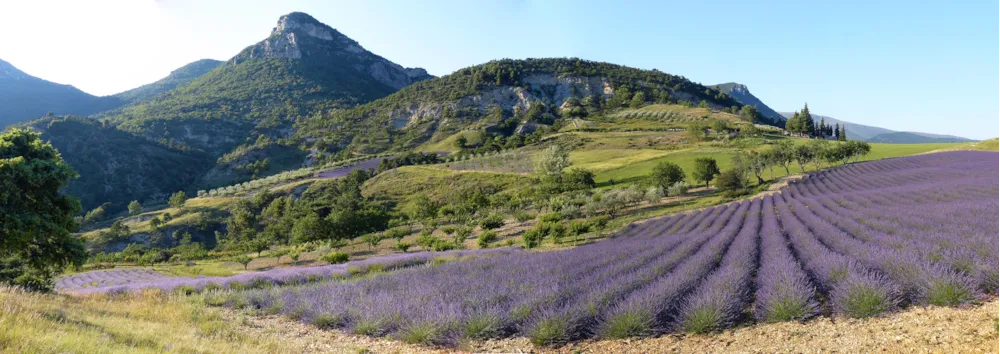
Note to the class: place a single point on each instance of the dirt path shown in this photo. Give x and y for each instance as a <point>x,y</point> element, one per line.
<point>917,330</point>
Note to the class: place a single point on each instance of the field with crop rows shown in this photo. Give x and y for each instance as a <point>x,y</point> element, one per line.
<point>855,241</point>
<point>116,280</point>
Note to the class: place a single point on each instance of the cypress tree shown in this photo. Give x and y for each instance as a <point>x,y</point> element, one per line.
<point>808,126</point>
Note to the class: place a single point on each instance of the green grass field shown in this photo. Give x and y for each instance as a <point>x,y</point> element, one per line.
<point>633,172</point>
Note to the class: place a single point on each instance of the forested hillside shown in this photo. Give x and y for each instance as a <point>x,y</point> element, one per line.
<point>117,167</point>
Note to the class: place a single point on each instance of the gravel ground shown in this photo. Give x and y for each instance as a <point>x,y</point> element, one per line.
<point>973,329</point>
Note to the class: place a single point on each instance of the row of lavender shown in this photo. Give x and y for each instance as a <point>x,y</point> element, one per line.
<point>118,280</point>
<point>858,241</point>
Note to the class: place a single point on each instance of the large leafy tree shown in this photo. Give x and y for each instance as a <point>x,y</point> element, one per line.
<point>35,219</point>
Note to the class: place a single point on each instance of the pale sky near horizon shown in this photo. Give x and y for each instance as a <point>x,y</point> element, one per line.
<point>904,65</point>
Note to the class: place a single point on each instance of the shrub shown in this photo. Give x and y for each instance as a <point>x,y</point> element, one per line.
<point>397,233</point>
<point>493,221</point>
<point>449,229</point>
<point>551,331</point>
<point>551,217</point>
<point>532,238</point>
<point>486,238</point>
<point>863,296</point>
<point>731,180</point>
<point>335,257</point>
<point>483,326</point>
<point>678,189</point>
<point>403,246</point>
<point>426,240</point>
<point>600,222</point>
<point>522,216</point>
<point>442,245</point>
<point>634,323</point>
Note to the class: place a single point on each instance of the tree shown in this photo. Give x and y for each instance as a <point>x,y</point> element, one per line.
<point>578,179</point>
<point>730,181</point>
<point>134,208</point>
<point>155,223</point>
<point>244,260</point>
<point>784,154</point>
<point>35,219</point>
<point>461,141</point>
<point>177,200</point>
<point>836,131</point>
<point>421,208</point>
<point>770,158</point>
<point>552,161</point>
<point>697,131</point>
<point>95,215</point>
<point>819,150</point>
<point>808,126</point>
<point>792,124</point>
<point>705,169</point>
<point>749,113</point>
<point>666,173</point>
<point>803,155</point>
<point>372,239</point>
<point>638,100</point>
<point>720,126</point>
<point>858,149</point>
<point>843,133</point>
<point>310,228</point>
<point>258,244</point>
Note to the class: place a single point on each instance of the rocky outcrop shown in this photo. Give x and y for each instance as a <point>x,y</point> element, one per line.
<point>299,35</point>
<point>539,89</point>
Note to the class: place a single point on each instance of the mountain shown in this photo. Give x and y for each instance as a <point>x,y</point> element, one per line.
<point>915,138</point>
<point>24,97</point>
<point>882,135</point>
<point>304,66</point>
<point>741,93</point>
<point>508,95</point>
<point>179,77</point>
<point>204,124</point>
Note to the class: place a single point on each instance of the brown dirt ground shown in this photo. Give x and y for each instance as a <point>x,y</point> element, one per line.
<point>973,329</point>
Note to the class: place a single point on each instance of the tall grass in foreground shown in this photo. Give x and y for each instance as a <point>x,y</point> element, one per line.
<point>150,322</point>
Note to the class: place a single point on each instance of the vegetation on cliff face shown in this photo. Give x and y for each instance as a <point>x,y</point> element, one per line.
<point>505,93</point>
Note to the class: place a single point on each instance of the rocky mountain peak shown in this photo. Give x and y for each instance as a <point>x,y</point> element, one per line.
<point>300,36</point>
<point>302,22</point>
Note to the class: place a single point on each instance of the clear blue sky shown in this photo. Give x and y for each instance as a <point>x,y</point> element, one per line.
<point>903,65</point>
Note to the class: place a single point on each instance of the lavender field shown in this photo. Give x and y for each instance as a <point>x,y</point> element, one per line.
<point>118,280</point>
<point>857,241</point>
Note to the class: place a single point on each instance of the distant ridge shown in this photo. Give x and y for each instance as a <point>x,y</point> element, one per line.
<point>882,135</point>
<point>24,97</point>
<point>179,77</point>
